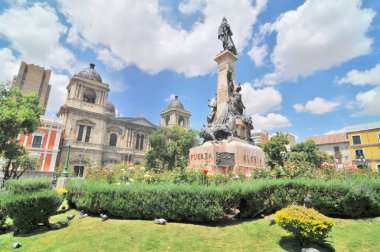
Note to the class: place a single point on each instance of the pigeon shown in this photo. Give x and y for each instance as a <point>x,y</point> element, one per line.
<point>16,245</point>
<point>160,221</point>
<point>83,216</point>
<point>70,217</point>
<point>262,216</point>
<point>104,217</point>
<point>272,221</point>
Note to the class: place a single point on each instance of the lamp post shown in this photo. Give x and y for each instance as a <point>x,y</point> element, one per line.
<point>69,142</point>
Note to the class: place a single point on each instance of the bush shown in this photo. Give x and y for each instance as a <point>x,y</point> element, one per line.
<point>307,225</point>
<point>172,202</point>
<point>3,212</point>
<point>196,203</point>
<point>23,186</point>
<point>29,210</point>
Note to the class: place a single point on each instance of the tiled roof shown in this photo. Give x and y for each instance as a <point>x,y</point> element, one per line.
<point>329,139</point>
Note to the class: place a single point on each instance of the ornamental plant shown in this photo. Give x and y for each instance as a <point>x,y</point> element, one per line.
<point>306,224</point>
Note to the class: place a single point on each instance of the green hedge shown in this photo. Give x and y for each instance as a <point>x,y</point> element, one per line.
<point>3,212</point>
<point>193,203</point>
<point>29,185</point>
<point>29,210</point>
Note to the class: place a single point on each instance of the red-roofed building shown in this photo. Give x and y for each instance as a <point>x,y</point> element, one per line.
<point>44,142</point>
<point>336,145</point>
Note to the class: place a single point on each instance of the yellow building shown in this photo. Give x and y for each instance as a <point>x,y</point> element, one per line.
<point>365,145</point>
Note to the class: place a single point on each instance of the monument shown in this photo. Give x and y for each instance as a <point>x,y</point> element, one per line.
<point>227,145</point>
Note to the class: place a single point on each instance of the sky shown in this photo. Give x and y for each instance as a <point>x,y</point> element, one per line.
<point>306,67</point>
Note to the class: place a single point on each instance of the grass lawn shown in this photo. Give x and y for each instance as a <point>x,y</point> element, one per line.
<point>91,234</point>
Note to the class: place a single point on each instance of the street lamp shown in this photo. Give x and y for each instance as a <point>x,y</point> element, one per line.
<point>69,142</point>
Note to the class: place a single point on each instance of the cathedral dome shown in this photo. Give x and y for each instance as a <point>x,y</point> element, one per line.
<point>110,107</point>
<point>176,103</point>
<point>90,73</point>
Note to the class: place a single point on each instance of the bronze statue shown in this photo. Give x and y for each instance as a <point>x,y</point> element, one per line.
<point>225,35</point>
<point>212,105</point>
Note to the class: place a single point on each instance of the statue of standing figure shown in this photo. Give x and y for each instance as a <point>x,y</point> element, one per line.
<point>225,35</point>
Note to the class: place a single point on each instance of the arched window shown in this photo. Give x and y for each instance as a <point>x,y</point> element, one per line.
<point>113,139</point>
<point>89,96</point>
<point>137,141</point>
<point>181,121</point>
<point>167,120</point>
<point>142,142</point>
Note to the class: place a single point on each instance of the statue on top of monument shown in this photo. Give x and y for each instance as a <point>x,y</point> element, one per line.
<point>225,35</point>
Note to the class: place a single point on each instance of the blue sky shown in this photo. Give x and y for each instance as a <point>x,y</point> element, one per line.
<point>307,67</point>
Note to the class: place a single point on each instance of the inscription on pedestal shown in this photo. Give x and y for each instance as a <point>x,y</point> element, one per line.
<point>225,159</point>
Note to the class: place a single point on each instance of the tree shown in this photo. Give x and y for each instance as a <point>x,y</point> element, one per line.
<point>19,114</point>
<point>308,152</point>
<point>170,147</point>
<point>275,150</point>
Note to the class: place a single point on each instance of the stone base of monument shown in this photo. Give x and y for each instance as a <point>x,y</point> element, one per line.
<point>230,155</point>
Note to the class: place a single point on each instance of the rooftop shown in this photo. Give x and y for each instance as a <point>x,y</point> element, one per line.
<point>329,139</point>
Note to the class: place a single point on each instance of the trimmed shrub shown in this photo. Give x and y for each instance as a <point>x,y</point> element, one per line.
<point>173,202</point>
<point>29,210</point>
<point>196,203</point>
<point>3,212</point>
<point>29,185</point>
<point>307,225</point>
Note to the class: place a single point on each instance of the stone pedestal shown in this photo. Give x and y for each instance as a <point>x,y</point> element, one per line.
<point>226,62</point>
<point>230,155</point>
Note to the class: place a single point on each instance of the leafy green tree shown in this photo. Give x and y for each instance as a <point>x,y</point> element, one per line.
<point>170,147</point>
<point>19,114</point>
<point>275,150</point>
<point>308,152</point>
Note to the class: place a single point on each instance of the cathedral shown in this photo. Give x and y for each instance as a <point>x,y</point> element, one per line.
<point>94,135</point>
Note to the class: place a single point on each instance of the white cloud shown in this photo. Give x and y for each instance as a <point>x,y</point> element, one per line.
<point>191,6</point>
<point>34,32</point>
<point>317,106</point>
<point>258,53</point>
<point>270,121</point>
<point>365,103</point>
<point>359,78</point>
<point>144,38</point>
<point>317,35</point>
<point>58,91</point>
<point>368,102</point>
<point>9,65</point>
<point>170,98</point>
<point>260,101</point>
<point>342,130</point>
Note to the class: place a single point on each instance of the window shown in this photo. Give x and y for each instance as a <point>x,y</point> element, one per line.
<point>113,139</point>
<point>89,96</point>
<point>78,170</point>
<point>359,154</point>
<point>142,142</point>
<point>181,121</point>
<point>137,141</point>
<point>88,133</point>
<point>167,120</point>
<point>378,167</point>
<point>80,133</point>
<point>37,140</point>
<point>356,140</point>
<point>337,154</point>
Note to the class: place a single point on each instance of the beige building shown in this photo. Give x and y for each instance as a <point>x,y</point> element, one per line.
<point>259,137</point>
<point>99,137</point>
<point>175,114</point>
<point>34,79</point>
<point>336,145</point>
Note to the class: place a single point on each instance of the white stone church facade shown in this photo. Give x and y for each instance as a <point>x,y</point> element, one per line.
<point>99,137</point>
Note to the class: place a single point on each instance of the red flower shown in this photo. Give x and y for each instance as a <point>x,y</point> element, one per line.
<point>204,171</point>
